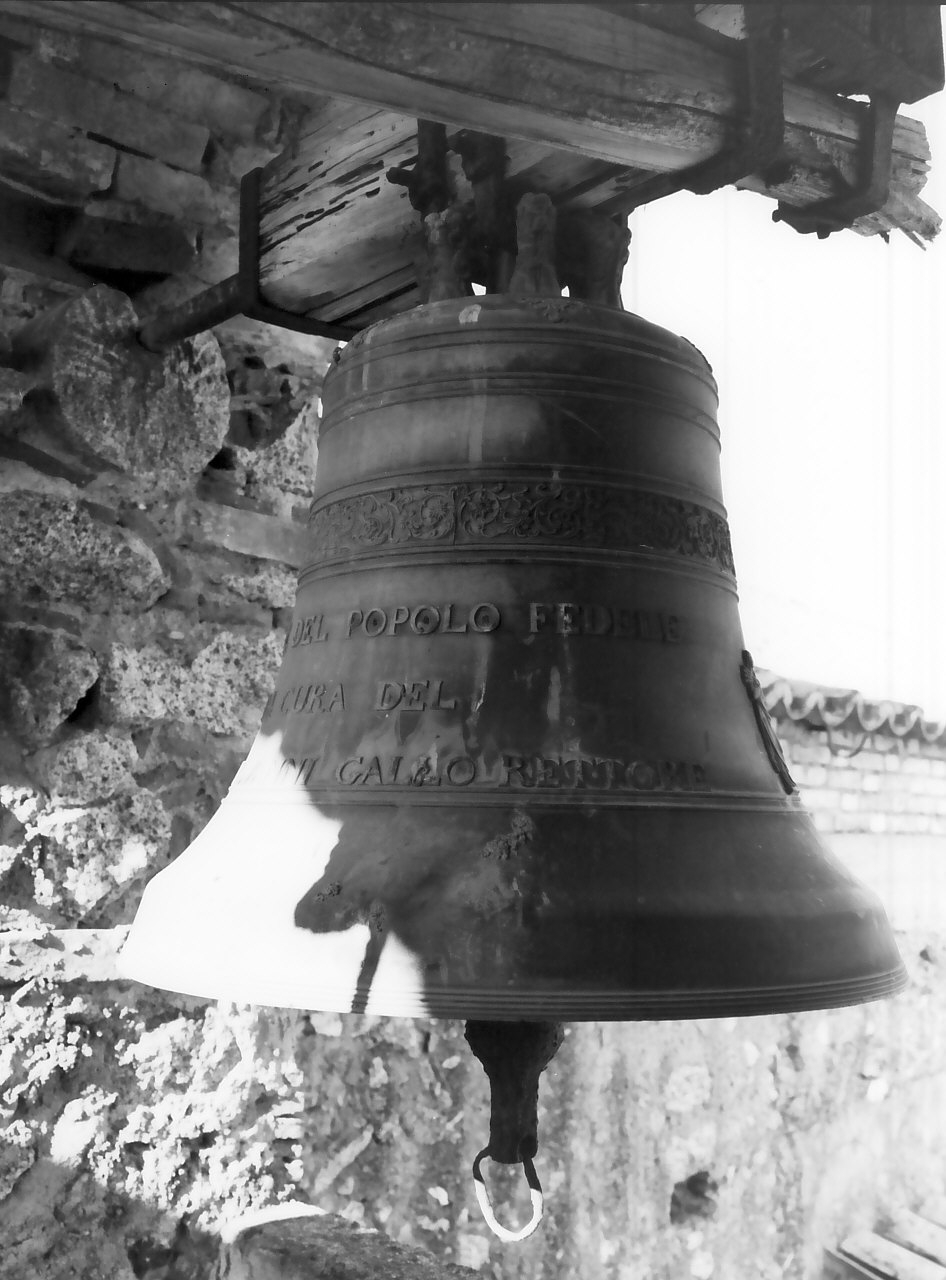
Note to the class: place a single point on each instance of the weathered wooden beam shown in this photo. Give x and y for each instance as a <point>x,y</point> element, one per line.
<point>572,76</point>
<point>591,100</point>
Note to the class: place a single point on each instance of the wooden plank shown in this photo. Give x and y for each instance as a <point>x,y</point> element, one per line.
<point>834,1266</point>
<point>852,48</point>
<point>917,1233</point>
<point>890,1259</point>
<point>330,207</point>
<point>607,86</point>
<point>590,101</point>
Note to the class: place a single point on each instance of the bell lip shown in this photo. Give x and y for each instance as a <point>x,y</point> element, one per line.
<point>561,1006</point>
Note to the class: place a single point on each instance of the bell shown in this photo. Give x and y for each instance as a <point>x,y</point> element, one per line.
<point>516,766</point>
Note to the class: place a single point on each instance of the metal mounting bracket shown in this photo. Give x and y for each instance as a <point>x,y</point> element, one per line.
<point>838,212</point>
<point>761,133</point>
<point>240,294</point>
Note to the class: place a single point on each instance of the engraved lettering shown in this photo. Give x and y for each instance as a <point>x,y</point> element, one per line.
<point>421,620</point>
<point>309,698</point>
<point>567,619</point>
<point>670,628</point>
<point>376,621</point>
<point>343,772</point>
<point>301,699</point>
<point>548,772</point>
<point>643,776</point>
<point>675,775</point>
<point>308,630</point>
<point>419,695</point>
<point>448,628</point>
<point>306,769</point>
<point>600,773</point>
<point>425,619</point>
<point>596,620</point>
<point>460,771</point>
<point>515,766</point>
<point>484,618</point>
<point>389,695</point>
<point>437,701</point>
<point>373,772</point>
<point>538,617</point>
<point>566,622</point>
<point>424,773</point>
<point>302,769</point>
<point>398,618</point>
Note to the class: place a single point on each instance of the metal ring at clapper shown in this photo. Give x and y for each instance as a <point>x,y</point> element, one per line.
<point>486,1205</point>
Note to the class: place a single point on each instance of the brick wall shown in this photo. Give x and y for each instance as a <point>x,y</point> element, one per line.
<point>878,784</point>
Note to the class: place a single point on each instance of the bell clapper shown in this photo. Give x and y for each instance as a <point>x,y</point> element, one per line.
<point>514,1055</point>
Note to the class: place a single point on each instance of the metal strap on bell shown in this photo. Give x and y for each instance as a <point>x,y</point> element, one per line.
<point>516,764</point>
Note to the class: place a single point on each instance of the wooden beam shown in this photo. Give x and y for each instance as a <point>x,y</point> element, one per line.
<point>572,76</point>
<point>590,98</point>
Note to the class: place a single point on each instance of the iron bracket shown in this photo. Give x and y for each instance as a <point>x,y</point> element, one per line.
<point>255,306</point>
<point>839,212</point>
<point>240,294</point>
<point>758,148</point>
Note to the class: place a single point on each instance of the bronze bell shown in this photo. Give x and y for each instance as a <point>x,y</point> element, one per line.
<point>516,766</point>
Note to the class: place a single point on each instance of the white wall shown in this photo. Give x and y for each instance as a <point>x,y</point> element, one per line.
<point>832,371</point>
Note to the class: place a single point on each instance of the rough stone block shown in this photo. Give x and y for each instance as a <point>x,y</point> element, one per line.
<point>53,549</point>
<point>158,418</point>
<point>224,689</point>
<point>95,241</point>
<point>228,109</point>
<point>70,99</point>
<point>52,159</point>
<point>87,767</point>
<point>206,524</point>
<point>90,855</point>
<point>158,186</point>
<point>43,675</point>
<point>274,586</point>
<point>316,1246</point>
<point>13,387</point>
<point>287,465</point>
<point>75,862</point>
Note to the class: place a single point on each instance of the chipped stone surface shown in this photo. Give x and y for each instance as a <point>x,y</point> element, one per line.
<point>55,548</point>
<point>43,675</point>
<point>84,858</point>
<point>312,1246</point>
<point>87,767</point>
<point>156,418</point>
<point>287,465</point>
<point>222,689</point>
<point>13,387</point>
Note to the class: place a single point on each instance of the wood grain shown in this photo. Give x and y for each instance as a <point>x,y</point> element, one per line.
<point>591,99</point>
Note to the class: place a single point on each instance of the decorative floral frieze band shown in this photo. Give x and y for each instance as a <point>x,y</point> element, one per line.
<point>581,515</point>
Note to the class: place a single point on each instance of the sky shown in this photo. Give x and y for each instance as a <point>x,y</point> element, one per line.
<point>830,360</point>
